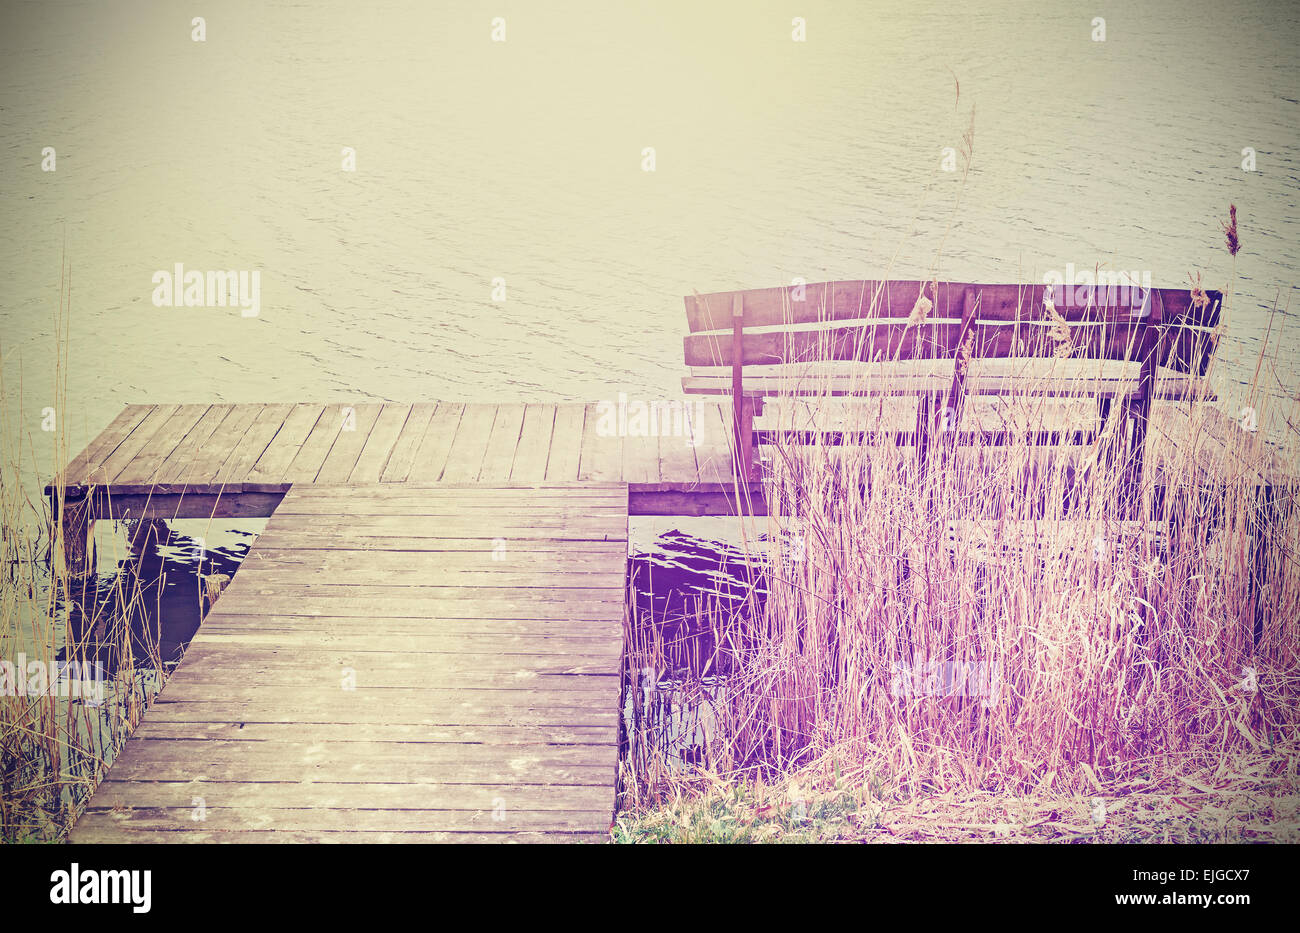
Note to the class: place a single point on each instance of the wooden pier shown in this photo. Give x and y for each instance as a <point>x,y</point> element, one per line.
<point>424,644</point>
<point>394,663</point>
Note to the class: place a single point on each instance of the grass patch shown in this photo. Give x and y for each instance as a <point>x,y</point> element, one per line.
<point>837,802</point>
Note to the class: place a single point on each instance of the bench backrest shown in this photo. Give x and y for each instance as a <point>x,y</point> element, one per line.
<point>871,321</point>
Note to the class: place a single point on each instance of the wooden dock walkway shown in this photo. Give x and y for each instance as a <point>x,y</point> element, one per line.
<point>394,663</point>
<point>203,451</point>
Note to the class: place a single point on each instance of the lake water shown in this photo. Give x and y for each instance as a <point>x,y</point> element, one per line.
<point>522,161</point>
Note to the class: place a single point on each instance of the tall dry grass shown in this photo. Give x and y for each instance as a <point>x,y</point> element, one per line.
<point>1012,617</point>
<point>56,737</point>
<point>1008,619</point>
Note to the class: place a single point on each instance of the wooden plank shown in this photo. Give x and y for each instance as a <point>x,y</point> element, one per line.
<point>522,579</point>
<point>311,455</point>
<point>478,769</point>
<point>398,607</point>
<point>343,592</point>
<point>469,447</point>
<point>165,440</point>
<point>100,830</point>
<point>414,494</point>
<point>523,626</point>
<point>476,708</point>
<point>131,446</point>
<point>285,572</point>
<point>553,673</point>
<point>481,559</point>
<point>1167,387</point>
<point>573,542</point>
<point>308,644</point>
<point>431,458</point>
<point>379,445</point>
<point>445,505</point>
<point>390,732</point>
<point>502,444</point>
<point>273,464</point>
<point>503,687</point>
<point>534,444</point>
<point>714,500</point>
<point>435,705</point>
<point>358,422</point>
<point>184,463</point>
<point>641,456</point>
<point>408,443</point>
<point>482,523</point>
<point>677,461</point>
<point>195,504</point>
<point>210,459</point>
<point>867,342</point>
<point>250,447</point>
<point>819,302</point>
<point>565,454</point>
<point>824,302</point>
<point>602,448</point>
<point>314,641</point>
<point>86,463</point>
<point>487,818</point>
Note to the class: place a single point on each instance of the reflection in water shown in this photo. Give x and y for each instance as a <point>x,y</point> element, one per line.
<point>127,628</point>
<point>674,581</point>
<point>678,646</point>
<point>155,592</point>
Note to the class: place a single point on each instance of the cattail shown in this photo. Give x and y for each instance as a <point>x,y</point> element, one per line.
<point>1200,300</point>
<point>1060,329</point>
<point>920,310</point>
<point>1234,244</point>
<point>1230,230</point>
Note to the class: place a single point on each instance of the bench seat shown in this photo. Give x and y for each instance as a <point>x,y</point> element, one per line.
<point>1173,387</point>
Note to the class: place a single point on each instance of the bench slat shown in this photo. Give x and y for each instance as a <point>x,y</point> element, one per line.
<point>821,302</point>
<point>1181,349</point>
<point>864,342</point>
<point>1167,387</point>
<point>830,302</point>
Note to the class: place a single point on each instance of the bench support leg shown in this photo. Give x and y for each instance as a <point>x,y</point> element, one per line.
<point>924,406</point>
<point>1267,520</point>
<point>743,409</point>
<point>1134,462</point>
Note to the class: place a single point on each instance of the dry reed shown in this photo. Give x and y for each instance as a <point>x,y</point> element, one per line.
<point>55,740</point>
<point>999,624</point>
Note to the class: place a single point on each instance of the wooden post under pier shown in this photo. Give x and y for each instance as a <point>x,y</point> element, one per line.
<point>72,535</point>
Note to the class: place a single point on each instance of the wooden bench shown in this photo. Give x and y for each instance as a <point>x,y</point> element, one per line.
<point>865,338</point>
